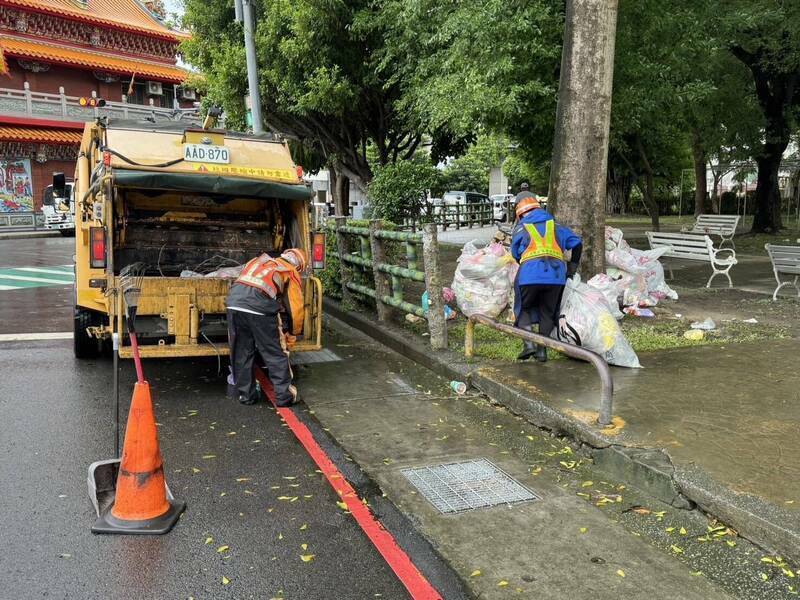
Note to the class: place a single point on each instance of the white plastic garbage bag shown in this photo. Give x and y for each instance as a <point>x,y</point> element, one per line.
<point>611,290</point>
<point>588,320</point>
<point>482,281</point>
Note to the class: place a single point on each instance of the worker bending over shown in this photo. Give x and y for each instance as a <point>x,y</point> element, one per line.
<point>538,245</point>
<point>265,311</point>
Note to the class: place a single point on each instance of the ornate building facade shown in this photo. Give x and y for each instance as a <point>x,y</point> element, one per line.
<point>52,53</point>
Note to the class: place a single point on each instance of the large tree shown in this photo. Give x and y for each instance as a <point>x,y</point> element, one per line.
<point>317,76</point>
<point>764,35</point>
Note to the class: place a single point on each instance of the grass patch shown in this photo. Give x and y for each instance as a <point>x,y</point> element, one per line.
<point>644,335</point>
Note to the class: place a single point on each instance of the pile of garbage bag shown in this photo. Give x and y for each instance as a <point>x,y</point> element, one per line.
<point>484,279</point>
<point>589,320</point>
<point>633,278</point>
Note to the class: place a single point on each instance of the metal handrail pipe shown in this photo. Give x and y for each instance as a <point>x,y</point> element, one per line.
<point>401,236</point>
<point>354,230</point>
<point>597,361</point>
<point>401,272</point>
<point>401,304</point>
<point>356,260</point>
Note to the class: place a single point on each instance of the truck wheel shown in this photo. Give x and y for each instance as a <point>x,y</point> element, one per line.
<point>85,346</point>
<point>67,232</point>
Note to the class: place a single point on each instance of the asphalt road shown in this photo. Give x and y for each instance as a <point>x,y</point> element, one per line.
<point>43,308</point>
<point>256,502</point>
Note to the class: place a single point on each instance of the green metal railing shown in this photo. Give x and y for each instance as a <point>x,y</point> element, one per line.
<point>366,271</point>
<point>453,215</point>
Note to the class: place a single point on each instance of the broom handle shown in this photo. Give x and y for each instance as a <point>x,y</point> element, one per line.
<point>136,358</point>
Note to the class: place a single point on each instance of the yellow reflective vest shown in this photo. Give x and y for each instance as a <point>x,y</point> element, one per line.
<point>542,246</point>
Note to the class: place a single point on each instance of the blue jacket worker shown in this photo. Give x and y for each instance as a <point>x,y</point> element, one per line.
<point>538,245</point>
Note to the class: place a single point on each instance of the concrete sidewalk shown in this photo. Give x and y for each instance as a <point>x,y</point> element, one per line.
<point>390,415</point>
<point>714,426</point>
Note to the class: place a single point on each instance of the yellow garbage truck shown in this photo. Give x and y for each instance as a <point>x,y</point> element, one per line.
<point>189,205</point>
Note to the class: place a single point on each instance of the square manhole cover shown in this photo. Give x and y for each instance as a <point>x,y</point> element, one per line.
<point>456,487</point>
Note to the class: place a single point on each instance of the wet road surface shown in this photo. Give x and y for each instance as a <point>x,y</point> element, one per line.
<point>248,484</point>
<point>36,309</point>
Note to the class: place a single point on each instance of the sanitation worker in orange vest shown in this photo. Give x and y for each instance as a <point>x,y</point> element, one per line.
<point>538,245</point>
<point>265,313</point>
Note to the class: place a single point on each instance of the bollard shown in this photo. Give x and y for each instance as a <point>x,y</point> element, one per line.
<point>437,324</point>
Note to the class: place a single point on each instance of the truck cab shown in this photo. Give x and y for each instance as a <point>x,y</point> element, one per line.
<point>58,207</point>
<point>190,206</point>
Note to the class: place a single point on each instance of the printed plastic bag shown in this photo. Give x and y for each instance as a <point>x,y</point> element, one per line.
<point>481,282</point>
<point>588,320</point>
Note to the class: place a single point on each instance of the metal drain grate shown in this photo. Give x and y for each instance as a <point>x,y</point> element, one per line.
<point>460,486</point>
<point>314,357</point>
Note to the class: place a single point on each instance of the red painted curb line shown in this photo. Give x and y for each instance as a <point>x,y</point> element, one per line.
<point>384,542</point>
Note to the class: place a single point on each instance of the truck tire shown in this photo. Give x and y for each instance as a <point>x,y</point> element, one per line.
<point>67,232</point>
<point>85,346</point>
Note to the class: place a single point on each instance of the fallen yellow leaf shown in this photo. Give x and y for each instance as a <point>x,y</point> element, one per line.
<point>730,543</point>
<point>764,577</point>
<point>586,484</point>
<point>195,470</point>
<point>669,529</point>
<point>503,583</point>
<point>583,530</point>
<point>241,479</point>
<point>207,456</point>
<point>307,557</point>
<point>342,505</point>
<point>304,546</point>
<point>225,580</point>
<point>767,559</point>
<point>531,438</point>
<point>620,572</point>
<point>676,549</point>
<point>209,540</point>
<point>475,573</point>
<point>303,527</point>
<point>280,536</point>
<point>695,573</point>
<point>223,549</point>
<point>682,531</point>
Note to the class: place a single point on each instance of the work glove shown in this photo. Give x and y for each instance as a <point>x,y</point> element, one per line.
<point>572,268</point>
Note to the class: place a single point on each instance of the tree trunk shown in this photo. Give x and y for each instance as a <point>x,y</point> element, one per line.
<point>715,199</point>
<point>700,186</point>
<point>767,218</point>
<point>649,186</point>
<point>618,189</point>
<point>340,190</point>
<point>580,145</point>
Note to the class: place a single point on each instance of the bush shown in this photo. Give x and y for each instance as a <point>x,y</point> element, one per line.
<point>398,190</point>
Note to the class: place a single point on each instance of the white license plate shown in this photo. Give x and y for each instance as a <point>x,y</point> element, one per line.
<point>206,153</point>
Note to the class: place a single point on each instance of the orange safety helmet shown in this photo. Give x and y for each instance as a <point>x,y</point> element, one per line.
<point>526,205</point>
<point>297,257</point>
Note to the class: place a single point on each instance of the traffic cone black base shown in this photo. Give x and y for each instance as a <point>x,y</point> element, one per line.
<point>108,523</point>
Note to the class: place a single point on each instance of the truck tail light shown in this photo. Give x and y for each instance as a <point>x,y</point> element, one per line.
<point>106,158</point>
<point>318,252</point>
<point>299,170</point>
<point>97,257</point>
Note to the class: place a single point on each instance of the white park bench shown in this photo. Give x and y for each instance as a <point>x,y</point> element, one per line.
<point>722,225</point>
<point>690,246</point>
<point>786,260</point>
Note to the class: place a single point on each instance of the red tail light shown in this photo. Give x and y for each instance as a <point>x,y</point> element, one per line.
<point>97,258</point>
<point>107,158</point>
<point>299,172</point>
<point>318,252</point>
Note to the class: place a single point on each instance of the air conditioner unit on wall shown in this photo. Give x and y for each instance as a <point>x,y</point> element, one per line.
<point>154,88</point>
<point>188,94</point>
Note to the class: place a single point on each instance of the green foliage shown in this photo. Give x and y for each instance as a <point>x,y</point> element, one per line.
<point>398,190</point>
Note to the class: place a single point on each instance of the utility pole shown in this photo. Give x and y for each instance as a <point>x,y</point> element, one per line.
<point>580,149</point>
<point>244,14</point>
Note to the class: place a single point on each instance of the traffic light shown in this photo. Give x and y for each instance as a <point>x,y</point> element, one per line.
<point>92,102</point>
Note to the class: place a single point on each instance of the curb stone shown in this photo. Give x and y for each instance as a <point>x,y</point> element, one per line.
<point>25,235</point>
<point>650,470</point>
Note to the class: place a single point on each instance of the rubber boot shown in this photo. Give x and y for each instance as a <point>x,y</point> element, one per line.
<point>541,353</point>
<point>528,348</point>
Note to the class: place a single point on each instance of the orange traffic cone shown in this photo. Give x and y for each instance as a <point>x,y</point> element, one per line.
<point>141,504</point>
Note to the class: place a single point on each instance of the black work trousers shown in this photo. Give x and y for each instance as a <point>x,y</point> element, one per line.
<point>248,334</point>
<point>539,303</point>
